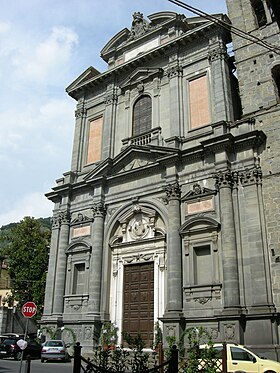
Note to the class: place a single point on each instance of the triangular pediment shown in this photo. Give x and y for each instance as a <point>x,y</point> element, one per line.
<point>140,75</point>
<point>88,74</point>
<point>131,159</point>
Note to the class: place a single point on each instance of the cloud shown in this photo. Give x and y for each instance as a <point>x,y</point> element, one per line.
<point>47,62</point>
<point>34,204</point>
<point>45,122</point>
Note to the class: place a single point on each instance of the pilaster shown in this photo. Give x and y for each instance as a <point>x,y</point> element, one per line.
<point>50,281</point>
<point>251,181</point>
<point>221,86</point>
<point>59,283</point>
<point>174,250</point>
<point>110,101</point>
<point>79,137</point>
<point>99,212</point>
<point>174,74</point>
<point>224,184</point>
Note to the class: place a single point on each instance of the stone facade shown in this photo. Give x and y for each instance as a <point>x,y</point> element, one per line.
<point>176,223</point>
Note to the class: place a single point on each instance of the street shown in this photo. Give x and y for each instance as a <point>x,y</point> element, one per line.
<point>12,366</point>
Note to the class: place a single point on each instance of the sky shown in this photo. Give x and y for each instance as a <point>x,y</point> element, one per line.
<point>44,46</point>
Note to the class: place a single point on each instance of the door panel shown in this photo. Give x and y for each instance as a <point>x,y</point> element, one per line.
<point>138,309</point>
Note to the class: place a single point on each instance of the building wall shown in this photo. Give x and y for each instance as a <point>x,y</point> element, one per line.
<point>260,101</point>
<point>189,196</point>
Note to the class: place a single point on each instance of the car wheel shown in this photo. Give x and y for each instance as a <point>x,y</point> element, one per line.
<point>18,355</point>
<point>42,360</point>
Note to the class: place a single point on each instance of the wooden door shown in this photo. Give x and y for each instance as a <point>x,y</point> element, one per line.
<point>138,310</point>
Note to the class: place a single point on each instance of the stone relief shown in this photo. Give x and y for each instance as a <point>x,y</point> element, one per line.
<point>138,223</point>
<point>139,26</point>
<point>229,331</point>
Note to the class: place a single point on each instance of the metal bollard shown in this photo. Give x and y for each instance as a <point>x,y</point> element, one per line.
<point>77,358</point>
<point>27,364</point>
<point>173,365</point>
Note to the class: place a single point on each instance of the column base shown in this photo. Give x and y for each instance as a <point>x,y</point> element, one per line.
<point>261,309</point>
<point>232,311</point>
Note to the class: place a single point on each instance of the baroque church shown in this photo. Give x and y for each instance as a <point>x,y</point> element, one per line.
<point>170,212</point>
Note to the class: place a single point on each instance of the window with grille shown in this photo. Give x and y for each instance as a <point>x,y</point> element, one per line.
<point>142,115</point>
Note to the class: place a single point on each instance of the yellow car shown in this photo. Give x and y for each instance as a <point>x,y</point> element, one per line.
<point>240,359</point>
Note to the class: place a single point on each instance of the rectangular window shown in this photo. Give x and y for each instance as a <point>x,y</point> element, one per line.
<point>199,102</point>
<point>94,140</point>
<point>202,265</point>
<point>79,278</point>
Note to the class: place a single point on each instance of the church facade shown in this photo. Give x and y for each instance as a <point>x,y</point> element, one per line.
<point>169,212</point>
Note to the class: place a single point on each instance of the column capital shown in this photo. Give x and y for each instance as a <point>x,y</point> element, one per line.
<point>65,217</point>
<point>62,217</point>
<point>99,209</point>
<point>224,179</point>
<point>218,53</point>
<point>111,97</point>
<point>173,191</point>
<point>80,112</point>
<point>252,176</point>
<point>175,70</point>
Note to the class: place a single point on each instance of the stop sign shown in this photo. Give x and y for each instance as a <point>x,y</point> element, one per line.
<point>29,309</point>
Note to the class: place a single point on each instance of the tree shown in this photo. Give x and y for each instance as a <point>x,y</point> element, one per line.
<point>27,259</point>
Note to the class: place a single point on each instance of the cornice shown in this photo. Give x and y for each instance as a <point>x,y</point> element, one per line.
<point>137,61</point>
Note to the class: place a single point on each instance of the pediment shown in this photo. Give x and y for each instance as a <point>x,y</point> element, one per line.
<point>140,75</point>
<point>131,159</point>
<point>88,74</point>
<point>198,225</point>
<point>115,42</point>
<point>142,29</point>
<point>77,246</point>
<point>198,192</point>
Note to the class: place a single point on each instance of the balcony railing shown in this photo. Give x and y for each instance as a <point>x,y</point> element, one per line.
<point>152,137</point>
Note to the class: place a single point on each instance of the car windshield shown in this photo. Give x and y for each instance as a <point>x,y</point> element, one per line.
<point>54,344</point>
<point>9,341</point>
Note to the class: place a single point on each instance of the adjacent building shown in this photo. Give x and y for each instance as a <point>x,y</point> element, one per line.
<point>170,211</point>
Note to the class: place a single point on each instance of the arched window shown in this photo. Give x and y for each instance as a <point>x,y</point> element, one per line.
<point>274,9</point>
<point>276,77</point>
<point>259,11</point>
<point>142,115</point>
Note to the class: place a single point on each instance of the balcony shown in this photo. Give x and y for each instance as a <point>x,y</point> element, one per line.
<point>152,137</point>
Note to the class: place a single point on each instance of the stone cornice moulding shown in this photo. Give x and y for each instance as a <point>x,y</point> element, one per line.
<point>197,32</point>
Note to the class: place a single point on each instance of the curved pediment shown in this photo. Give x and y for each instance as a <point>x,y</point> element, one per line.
<point>160,17</point>
<point>199,224</point>
<point>115,42</point>
<point>78,246</point>
<point>144,31</point>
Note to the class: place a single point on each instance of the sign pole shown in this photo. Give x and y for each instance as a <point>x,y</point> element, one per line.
<point>25,335</point>
<point>29,309</point>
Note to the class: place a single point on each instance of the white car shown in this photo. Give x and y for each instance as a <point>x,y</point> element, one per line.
<point>240,359</point>
<point>54,349</point>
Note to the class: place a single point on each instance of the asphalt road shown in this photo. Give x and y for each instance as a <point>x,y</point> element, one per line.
<point>12,366</point>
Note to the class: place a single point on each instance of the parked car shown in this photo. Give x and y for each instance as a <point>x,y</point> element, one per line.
<point>54,349</point>
<point>9,348</point>
<point>241,359</point>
